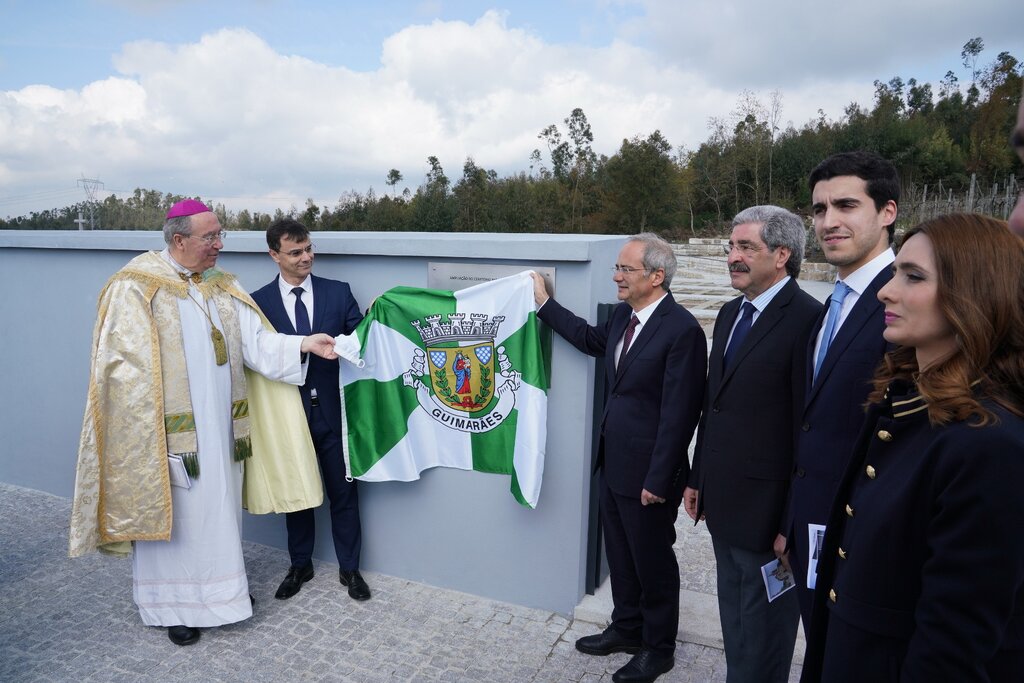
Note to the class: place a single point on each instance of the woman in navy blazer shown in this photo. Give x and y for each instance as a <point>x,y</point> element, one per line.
<point>921,576</point>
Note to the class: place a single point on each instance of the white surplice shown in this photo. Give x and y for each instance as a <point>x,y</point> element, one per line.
<point>198,577</point>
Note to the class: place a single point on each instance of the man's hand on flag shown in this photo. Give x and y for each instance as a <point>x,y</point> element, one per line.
<point>540,290</point>
<point>321,344</point>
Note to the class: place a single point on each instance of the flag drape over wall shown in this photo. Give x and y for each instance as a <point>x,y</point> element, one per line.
<point>449,379</point>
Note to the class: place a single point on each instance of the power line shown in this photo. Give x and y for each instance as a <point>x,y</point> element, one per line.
<point>37,196</point>
<point>90,185</point>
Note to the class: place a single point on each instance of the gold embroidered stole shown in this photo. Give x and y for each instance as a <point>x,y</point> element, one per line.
<point>137,380</point>
<point>179,422</point>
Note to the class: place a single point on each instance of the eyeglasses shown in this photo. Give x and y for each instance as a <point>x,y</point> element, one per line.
<point>295,253</point>
<point>627,270</point>
<point>212,237</point>
<point>745,248</point>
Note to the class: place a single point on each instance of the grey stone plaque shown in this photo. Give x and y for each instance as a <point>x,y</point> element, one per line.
<point>456,276</point>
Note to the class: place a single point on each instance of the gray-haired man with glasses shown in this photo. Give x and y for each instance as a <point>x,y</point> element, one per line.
<point>298,300</point>
<point>654,356</point>
<point>744,455</point>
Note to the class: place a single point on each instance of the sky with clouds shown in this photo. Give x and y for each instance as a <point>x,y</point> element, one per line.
<point>264,103</point>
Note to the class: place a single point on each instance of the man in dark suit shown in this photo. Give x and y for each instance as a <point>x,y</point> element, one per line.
<point>743,460</point>
<point>655,358</point>
<point>298,300</point>
<point>854,199</point>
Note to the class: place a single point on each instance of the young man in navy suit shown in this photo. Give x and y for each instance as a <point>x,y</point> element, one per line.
<point>854,199</point>
<point>655,358</point>
<point>743,461</point>
<point>298,300</point>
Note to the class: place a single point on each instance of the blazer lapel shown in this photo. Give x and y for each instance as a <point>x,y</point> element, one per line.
<point>810,386</point>
<point>721,338</point>
<point>319,303</point>
<point>867,307</point>
<point>766,321</point>
<point>862,312</point>
<point>277,313</point>
<point>646,333</point>
<point>616,329</point>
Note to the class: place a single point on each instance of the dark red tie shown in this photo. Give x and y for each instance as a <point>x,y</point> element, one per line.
<point>627,338</point>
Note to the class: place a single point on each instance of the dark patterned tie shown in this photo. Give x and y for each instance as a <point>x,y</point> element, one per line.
<point>627,338</point>
<point>302,325</point>
<point>740,333</point>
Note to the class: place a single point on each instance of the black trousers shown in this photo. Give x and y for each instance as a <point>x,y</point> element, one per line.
<point>342,495</point>
<point>643,566</point>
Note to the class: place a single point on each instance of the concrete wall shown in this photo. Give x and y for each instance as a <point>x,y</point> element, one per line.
<point>455,529</point>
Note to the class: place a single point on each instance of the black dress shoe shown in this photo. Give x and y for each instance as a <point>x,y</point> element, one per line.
<point>357,588</point>
<point>293,581</point>
<point>645,666</point>
<point>183,635</point>
<point>607,642</point>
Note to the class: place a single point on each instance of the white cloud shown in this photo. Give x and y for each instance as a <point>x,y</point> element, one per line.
<point>232,119</point>
<point>788,43</point>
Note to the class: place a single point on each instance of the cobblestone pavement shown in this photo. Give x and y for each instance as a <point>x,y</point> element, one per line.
<point>74,620</point>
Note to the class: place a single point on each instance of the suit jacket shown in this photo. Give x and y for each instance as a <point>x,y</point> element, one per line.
<point>834,411</point>
<point>930,583</point>
<point>335,312</point>
<point>744,456</point>
<point>654,400</point>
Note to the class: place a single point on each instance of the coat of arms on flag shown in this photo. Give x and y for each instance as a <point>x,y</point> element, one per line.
<point>450,379</point>
<point>464,393</point>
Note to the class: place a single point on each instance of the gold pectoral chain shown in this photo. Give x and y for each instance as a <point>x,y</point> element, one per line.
<point>220,347</point>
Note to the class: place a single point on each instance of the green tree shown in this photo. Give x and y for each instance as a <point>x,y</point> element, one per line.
<point>969,56</point>
<point>642,191</point>
<point>432,206</point>
<point>244,220</point>
<point>394,177</point>
<point>573,162</point>
<point>473,199</point>
<point>310,215</point>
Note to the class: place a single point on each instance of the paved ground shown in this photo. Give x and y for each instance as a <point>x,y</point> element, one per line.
<point>74,620</point>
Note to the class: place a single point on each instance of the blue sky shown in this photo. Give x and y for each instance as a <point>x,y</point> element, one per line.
<point>264,104</point>
<point>69,44</point>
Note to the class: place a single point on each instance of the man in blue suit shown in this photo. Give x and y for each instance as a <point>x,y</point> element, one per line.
<point>854,198</point>
<point>298,300</point>
<point>655,358</point>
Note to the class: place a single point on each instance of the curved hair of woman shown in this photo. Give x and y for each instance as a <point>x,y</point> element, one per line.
<point>980,278</point>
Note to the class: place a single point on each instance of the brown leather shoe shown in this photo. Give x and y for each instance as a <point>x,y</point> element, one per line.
<point>293,581</point>
<point>357,588</point>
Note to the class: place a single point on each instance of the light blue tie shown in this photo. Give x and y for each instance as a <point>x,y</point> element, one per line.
<point>835,306</point>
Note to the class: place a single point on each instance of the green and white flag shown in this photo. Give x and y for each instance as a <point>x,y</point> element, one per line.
<point>448,379</point>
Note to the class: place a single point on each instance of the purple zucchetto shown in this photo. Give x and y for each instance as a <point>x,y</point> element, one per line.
<point>187,207</point>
